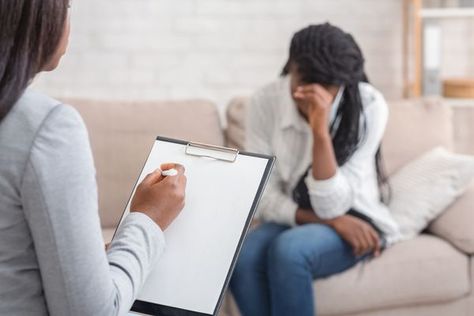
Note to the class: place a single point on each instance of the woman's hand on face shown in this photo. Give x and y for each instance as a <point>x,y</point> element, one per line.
<point>359,234</point>
<point>319,102</point>
<point>161,198</point>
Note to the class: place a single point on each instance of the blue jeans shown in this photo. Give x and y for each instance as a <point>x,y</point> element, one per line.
<point>277,266</point>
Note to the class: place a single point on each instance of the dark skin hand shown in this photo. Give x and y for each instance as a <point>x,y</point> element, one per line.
<point>317,102</point>
<point>160,198</point>
<point>360,235</point>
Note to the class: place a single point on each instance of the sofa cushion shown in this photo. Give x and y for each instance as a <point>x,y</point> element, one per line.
<point>235,133</point>
<point>456,223</point>
<point>424,188</point>
<point>414,127</point>
<point>463,117</point>
<point>122,134</point>
<point>420,271</point>
<point>451,308</point>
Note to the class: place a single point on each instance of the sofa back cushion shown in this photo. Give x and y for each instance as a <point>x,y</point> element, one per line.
<point>236,113</point>
<point>122,134</point>
<point>455,224</point>
<point>463,126</point>
<point>414,127</point>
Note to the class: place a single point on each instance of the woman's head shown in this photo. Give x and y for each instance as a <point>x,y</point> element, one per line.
<point>326,55</point>
<point>33,38</point>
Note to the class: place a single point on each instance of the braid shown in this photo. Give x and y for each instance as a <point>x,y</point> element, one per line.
<point>327,55</point>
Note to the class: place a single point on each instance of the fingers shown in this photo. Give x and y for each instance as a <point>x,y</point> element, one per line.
<point>298,94</point>
<point>178,181</point>
<point>178,167</point>
<point>356,246</point>
<point>313,98</point>
<point>313,90</point>
<point>183,180</point>
<point>304,94</point>
<point>153,177</point>
<point>371,242</point>
<point>156,176</point>
<point>376,240</point>
<point>362,237</point>
<point>362,244</point>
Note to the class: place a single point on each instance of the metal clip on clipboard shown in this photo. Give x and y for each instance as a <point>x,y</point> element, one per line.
<point>211,151</point>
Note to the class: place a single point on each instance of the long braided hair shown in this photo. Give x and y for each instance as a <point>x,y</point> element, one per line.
<point>327,55</point>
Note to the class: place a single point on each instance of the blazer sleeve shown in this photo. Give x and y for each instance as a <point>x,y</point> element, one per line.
<point>59,196</point>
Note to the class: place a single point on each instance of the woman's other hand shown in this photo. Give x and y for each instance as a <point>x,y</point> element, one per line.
<point>161,198</point>
<point>359,234</point>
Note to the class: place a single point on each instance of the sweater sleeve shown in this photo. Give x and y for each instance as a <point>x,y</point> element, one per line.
<point>59,197</point>
<point>333,197</point>
<point>275,205</point>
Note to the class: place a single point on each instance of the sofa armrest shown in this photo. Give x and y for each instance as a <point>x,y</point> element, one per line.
<point>456,224</point>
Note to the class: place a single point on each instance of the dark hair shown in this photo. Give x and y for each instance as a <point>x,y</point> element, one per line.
<point>30,32</point>
<point>327,55</point>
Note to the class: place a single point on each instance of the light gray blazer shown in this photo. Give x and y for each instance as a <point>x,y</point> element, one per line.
<point>52,258</point>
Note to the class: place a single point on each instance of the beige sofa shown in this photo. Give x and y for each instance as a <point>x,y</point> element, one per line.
<point>430,275</point>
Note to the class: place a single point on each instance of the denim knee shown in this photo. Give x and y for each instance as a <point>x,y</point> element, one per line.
<point>287,250</point>
<point>251,260</point>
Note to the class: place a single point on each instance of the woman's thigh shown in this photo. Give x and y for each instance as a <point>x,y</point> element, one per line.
<point>256,245</point>
<point>314,247</point>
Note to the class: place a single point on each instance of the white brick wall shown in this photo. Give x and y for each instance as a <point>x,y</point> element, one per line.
<point>458,47</point>
<point>217,49</point>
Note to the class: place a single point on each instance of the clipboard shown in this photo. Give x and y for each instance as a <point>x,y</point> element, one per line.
<point>223,190</point>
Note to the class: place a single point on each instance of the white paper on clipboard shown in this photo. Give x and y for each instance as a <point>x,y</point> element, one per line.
<point>202,241</point>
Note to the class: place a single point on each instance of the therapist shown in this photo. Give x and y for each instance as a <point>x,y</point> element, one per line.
<point>52,258</point>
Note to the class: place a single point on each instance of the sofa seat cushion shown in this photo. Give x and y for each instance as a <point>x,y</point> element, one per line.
<point>424,270</point>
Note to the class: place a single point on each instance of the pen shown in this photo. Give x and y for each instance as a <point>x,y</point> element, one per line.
<point>169,173</point>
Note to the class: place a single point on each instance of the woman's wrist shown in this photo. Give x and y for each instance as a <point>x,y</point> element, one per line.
<point>332,222</point>
<point>303,216</point>
<point>321,133</point>
<point>307,216</point>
